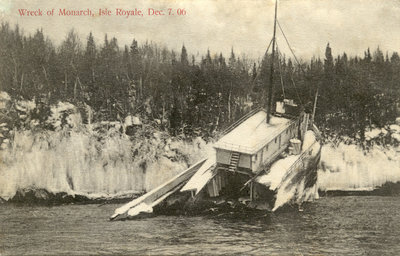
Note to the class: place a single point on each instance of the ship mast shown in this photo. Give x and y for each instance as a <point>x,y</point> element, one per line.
<point>271,75</point>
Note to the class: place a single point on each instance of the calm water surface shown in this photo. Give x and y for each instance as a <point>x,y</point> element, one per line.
<point>329,226</point>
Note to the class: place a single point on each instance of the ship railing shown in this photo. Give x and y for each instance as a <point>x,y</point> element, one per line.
<point>298,162</point>
<point>235,147</point>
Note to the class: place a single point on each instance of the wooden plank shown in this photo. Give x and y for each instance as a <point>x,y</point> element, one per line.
<point>159,191</point>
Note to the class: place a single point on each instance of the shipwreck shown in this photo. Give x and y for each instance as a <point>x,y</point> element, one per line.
<point>265,160</point>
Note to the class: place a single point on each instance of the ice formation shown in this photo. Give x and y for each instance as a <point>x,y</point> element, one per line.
<point>81,160</point>
<point>348,167</point>
<point>286,184</point>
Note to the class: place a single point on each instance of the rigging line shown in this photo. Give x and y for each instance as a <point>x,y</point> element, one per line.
<point>259,67</point>
<point>270,89</point>
<point>291,78</point>
<point>295,88</point>
<point>290,48</point>
<point>280,71</point>
<point>270,42</point>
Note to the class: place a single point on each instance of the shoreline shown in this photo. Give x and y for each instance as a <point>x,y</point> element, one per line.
<point>41,197</point>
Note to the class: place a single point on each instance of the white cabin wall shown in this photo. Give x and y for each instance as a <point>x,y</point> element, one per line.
<point>251,161</point>
<point>273,146</point>
<point>256,161</point>
<point>268,150</point>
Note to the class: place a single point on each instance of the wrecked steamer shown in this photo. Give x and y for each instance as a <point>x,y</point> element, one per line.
<point>256,164</point>
<point>263,161</point>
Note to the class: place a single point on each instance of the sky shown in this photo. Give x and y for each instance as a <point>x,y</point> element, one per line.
<point>349,26</point>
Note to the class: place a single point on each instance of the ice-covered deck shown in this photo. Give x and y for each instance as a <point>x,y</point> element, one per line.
<point>253,133</point>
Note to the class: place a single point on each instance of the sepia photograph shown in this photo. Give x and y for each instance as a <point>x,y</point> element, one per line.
<point>199,127</point>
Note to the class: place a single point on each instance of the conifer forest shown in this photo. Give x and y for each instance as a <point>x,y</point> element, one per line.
<point>189,95</point>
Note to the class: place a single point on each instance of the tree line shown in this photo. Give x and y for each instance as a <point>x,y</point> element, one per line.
<point>192,95</point>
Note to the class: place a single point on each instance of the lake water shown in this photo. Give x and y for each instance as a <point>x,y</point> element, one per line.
<point>329,226</point>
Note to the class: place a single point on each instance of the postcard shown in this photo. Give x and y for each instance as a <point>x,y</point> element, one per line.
<point>199,127</point>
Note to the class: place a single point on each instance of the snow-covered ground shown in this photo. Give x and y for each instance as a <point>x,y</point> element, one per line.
<point>95,160</point>
<point>81,159</point>
<point>348,167</point>
<point>78,163</point>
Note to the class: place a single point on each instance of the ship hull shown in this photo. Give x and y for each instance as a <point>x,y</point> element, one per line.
<point>214,187</point>
<point>228,192</point>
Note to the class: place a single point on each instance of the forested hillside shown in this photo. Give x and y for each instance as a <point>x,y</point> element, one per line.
<point>191,95</point>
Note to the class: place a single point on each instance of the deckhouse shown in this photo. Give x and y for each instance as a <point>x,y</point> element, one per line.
<point>252,143</point>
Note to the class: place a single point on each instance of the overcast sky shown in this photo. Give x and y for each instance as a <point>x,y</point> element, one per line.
<point>246,25</point>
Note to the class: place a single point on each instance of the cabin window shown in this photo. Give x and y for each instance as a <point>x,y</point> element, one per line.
<point>275,140</point>
<point>266,148</point>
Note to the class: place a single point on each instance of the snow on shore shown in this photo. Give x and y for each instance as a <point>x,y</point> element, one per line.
<point>77,163</point>
<point>96,160</point>
<point>348,167</point>
<point>81,159</point>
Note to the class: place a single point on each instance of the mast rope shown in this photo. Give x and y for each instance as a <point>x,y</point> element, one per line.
<point>280,71</point>
<point>290,48</point>
<point>297,61</point>
<point>259,66</point>
<point>270,42</point>
<point>291,79</point>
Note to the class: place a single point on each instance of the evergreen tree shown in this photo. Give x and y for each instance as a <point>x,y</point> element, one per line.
<point>184,57</point>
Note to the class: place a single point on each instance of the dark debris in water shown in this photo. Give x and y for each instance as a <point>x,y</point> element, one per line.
<point>225,210</point>
<point>387,189</point>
